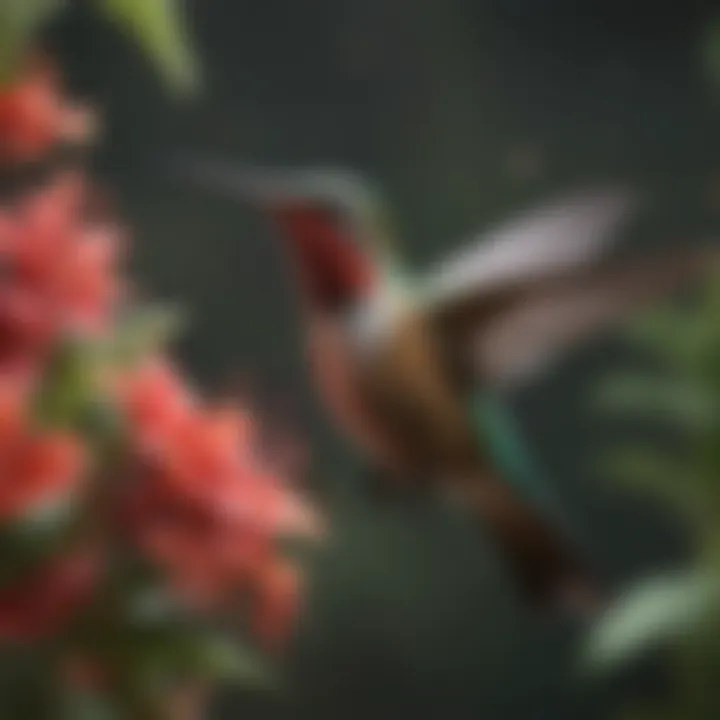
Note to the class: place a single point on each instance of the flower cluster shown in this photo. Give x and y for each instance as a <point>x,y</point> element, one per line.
<point>35,116</point>
<point>205,504</point>
<point>37,468</point>
<point>175,497</point>
<point>59,272</point>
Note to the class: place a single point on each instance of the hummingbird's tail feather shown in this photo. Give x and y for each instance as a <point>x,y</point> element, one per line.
<point>500,432</point>
<point>548,569</point>
<point>514,460</point>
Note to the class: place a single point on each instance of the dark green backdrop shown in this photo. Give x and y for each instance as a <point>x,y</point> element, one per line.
<point>463,110</point>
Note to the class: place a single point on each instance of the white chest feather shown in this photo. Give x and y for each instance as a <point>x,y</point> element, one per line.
<point>377,317</point>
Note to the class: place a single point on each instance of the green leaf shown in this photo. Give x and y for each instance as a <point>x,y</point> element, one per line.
<point>225,659</point>
<point>653,612</point>
<point>687,403</point>
<point>46,520</point>
<point>141,332</point>
<point>160,645</point>
<point>20,20</point>
<point>667,332</point>
<point>166,656</point>
<point>157,27</point>
<point>67,388</point>
<point>643,467</point>
<point>686,489</point>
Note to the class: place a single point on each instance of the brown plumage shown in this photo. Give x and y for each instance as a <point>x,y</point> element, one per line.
<point>406,414</point>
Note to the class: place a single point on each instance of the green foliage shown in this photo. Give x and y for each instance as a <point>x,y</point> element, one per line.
<point>646,471</point>
<point>141,332</point>
<point>157,629</point>
<point>678,611</point>
<point>67,386</point>
<point>152,645</point>
<point>655,610</point>
<point>69,396</point>
<point>157,28</point>
<point>682,394</point>
<point>689,404</point>
<point>172,655</point>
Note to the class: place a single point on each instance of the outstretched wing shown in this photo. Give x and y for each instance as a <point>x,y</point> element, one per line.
<point>530,291</point>
<point>548,240</point>
<point>553,317</point>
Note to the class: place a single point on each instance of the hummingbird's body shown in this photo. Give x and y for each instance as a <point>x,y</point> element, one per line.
<point>398,363</point>
<point>392,393</point>
<point>389,386</point>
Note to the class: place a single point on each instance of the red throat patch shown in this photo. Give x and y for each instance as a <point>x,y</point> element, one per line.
<point>334,270</point>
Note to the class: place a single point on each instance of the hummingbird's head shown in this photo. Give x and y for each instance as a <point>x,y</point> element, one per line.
<point>329,240</point>
<point>329,220</point>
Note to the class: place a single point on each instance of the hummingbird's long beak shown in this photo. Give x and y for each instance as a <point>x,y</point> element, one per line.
<point>258,185</point>
<point>270,187</point>
<point>316,213</point>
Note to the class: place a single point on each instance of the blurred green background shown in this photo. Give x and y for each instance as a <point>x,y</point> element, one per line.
<point>464,111</point>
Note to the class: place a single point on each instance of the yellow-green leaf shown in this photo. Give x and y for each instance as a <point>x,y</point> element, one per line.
<point>141,332</point>
<point>685,403</point>
<point>158,27</point>
<point>67,386</point>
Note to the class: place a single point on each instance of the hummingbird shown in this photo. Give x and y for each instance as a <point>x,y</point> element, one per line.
<point>410,368</point>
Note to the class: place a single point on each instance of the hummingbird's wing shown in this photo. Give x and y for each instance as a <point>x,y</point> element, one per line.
<point>534,289</point>
<point>567,233</point>
<point>556,316</point>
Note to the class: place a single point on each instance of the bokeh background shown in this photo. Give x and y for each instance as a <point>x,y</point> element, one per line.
<point>464,111</point>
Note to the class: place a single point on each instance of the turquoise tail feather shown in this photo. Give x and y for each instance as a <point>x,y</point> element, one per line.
<point>501,434</point>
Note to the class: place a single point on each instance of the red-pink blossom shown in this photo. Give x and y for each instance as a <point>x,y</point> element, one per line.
<point>57,272</point>
<point>37,468</point>
<point>34,115</point>
<point>206,504</point>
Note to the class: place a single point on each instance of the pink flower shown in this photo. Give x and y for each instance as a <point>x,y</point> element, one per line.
<point>34,115</point>
<point>57,272</point>
<point>205,504</point>
<point>209,456</point>
<point>42,602</point>
<point>36,468</point>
